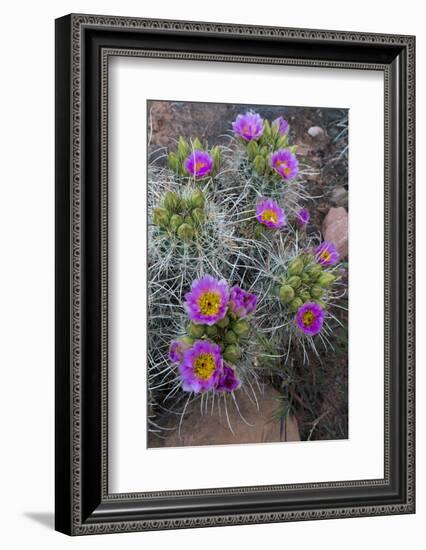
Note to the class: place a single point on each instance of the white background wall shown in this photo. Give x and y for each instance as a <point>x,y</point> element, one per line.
<point>27,261</point>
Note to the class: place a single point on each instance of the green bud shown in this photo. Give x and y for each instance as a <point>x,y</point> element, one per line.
<point>286,294</point>
<point>316,291</point>
<point>294,281</point>
<point>295,267</point>
<point>160,217</point>
<point>305,296</point>
<point>223,323</point>
<point>196,331</point>
<point>326,279</point>
<point>252,149</point>
<point>198,215</point>
<point>282,142</point>
<point>211,331</point>
<point>231,337</point>
<point>315,271</point>
<point>295,304</point>
<point>197,145</point>
<point>173,161</point>
<point>183,149</point>
<point>264,151</point>
<point>175,222</point>
<point>305,278</point>
<point>241,328</point>
<point>267,133</point>
<point>232,353</point>
<point>185,232</point>
<point>259,164</point>
<point>171,201</point>
<point>217,156</point>
<point>196,199</point>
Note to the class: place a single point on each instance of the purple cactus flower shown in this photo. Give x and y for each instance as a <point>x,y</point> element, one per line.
<point>207,302</point>
<point>199,163</point>
<point>310,318</point>
<point>176,350</point>
<point>281,125</point>
<point>284,162</point>
<point>270,214</point>
<point>201,367</point>
<point>248,126</point>
<point>228,379</point>
<point>326,254</point>
<point>241,302</point>
<point>303,217</point>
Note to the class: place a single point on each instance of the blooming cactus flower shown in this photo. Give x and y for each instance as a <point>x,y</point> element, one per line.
<point>248,126</point>
<point>201,367</point>
<point>326,254</point>
<point>177,349</point>
<point>284,162</point>
<point>310,318</point>
<point>199,163</point>
<point>303,216</point>
<point>281,125</point>
<point>270,214</point>
<point>241,302</point>
<point>207,302</point>
<point>228,380</point>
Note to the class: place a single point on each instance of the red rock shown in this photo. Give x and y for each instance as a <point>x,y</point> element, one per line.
<point>335,229</point>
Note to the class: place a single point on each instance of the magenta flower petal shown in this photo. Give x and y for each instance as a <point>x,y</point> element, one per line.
<point>176,350</point>
<point>284,162</point>
<point>248,126</point>
<point>270,214</point>
<point>281,125</point>
<point>201,367</point>
<point>326,254</point>
<point>228,380</point>
<point>207,302</point>
<point>199,163</point>
<point>241,302</point>
<point>303,216</point>
<point>310,318</point>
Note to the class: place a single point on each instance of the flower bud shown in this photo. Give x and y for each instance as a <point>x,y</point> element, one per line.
<point>183,149</point>
<point>231,337</point>
<point>175,222</point>
<point>316,291</point>
<point>232,353</point>
<point>305,296</point>
<point>282,142</point>
<point>314,271</point>
<point>171,201</point>
<point>326,279</point>
<point>198,215</point>
<point>211,331</point>
<point>217,156</point>
<point>295,267</point>
<point>286,294</point>
<point>196,199</point>
<point>252,149</point>
<point>305,278</point>
<point>185,232</point>
<point>160,217</point>
<point>197,145</point>
<point>223,323</point>
<point>267,130</point>
<point>173,161</point>
<point>294,281</point>
<point>295,304</point>
<point>264,151</point>
<point>196,331</point>
<point>241,328</point>
<point>259,164</point>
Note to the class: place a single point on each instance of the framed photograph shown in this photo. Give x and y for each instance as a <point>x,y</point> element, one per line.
<point>234,274</point>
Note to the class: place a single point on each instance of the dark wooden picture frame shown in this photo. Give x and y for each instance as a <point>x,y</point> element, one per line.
<point>84,44</point>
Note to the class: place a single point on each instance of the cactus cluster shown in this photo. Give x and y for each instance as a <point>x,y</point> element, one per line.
<point>181,215</point>
<point>305,281</point>
<point>180,159</point>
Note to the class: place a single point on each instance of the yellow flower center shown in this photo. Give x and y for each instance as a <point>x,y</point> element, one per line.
<point>325,255</point>
<point>204,366</point>
<point>269,216</point>
<point>286,168</point>
<point>209,303</point>
<point>199,165</point>
<point>308,318</point>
